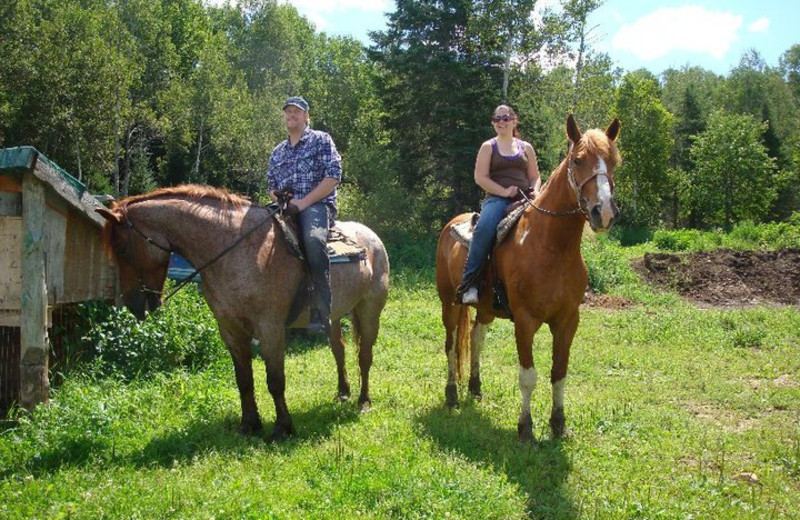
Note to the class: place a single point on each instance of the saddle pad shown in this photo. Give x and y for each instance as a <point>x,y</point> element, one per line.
<point>463,230</point>
<point>507,224</point>
<point>341,247</point>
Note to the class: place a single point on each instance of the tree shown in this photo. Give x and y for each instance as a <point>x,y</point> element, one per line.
<point>734,178</point>
<point>646,146</point>
<point>438,93</point>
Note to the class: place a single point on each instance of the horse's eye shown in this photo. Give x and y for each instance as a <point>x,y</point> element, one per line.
<point>577,161</point>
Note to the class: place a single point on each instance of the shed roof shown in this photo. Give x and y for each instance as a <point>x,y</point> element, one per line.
<point>27,158</point>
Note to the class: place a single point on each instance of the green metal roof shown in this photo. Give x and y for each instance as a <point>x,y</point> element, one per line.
<point>25,157</point>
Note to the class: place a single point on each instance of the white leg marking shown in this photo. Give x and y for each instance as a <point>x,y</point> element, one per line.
<point>522,238</point>
<point>558,394</point>
<point>527,382</point>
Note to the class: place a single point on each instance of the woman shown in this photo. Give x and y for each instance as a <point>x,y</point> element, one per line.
<point>505,166</point>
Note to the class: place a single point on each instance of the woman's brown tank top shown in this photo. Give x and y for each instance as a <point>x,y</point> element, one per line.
<point>509,170</point>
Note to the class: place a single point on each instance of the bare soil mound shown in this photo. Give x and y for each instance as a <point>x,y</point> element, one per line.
<point>725,277</point>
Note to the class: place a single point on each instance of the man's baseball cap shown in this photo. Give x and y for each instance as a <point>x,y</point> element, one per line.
<point>296,101</point>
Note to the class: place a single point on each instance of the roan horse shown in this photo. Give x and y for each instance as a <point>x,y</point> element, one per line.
<point>540,266</point>
<point>251,287</point>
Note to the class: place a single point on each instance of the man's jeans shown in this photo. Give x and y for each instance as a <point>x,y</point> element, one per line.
<point>314,225</point>
<point>492,212</point>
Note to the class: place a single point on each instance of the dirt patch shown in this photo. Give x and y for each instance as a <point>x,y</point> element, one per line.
<point>725,277</point>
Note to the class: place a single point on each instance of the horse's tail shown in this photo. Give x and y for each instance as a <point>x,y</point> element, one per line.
<point>463,341</point>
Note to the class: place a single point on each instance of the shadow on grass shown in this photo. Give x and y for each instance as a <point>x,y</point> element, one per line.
<point>182,443</point>
<point>222,436</point>
<point>540,470</point>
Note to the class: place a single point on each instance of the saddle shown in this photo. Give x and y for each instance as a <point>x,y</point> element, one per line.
<point>342,248</point>
<point>462,232</point>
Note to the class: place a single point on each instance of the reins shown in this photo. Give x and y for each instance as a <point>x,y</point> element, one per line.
<point>271,211</point>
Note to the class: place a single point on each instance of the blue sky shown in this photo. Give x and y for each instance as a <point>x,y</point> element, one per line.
<point>712,34</point>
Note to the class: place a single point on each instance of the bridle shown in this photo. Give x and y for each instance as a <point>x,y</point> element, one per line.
<point>271,211</point>
<point>582,201</point>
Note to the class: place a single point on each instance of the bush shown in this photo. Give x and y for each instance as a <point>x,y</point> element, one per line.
<point>182,334</point>
<point>607,267</point>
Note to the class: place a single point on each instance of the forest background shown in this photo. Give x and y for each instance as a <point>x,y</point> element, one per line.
<point>130,95</point>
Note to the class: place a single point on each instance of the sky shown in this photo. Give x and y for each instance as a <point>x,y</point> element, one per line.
<point>655,35</point>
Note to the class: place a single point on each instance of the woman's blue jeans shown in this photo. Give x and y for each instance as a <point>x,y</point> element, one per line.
<point>493,210</point>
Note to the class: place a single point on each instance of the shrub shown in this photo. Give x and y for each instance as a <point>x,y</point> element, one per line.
<point>181,334</point>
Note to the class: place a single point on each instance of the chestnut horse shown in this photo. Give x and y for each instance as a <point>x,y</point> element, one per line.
<point>540,266</point>
<point>249,283</point>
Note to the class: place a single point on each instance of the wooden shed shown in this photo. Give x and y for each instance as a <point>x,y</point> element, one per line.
<point>51,255</point>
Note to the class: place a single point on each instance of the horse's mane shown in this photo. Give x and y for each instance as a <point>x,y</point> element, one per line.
<point>193,192</point>
<point>596,142</point>
<point>190,191</point>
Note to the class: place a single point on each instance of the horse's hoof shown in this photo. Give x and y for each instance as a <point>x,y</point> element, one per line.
<point>475,388</point>
<point>281,433</point>
<point>250,428</point>
<point>365,405</point>
<point>558,425</point>
<point>451,395</point>
<point>525,432</point>
<point>343,398</point>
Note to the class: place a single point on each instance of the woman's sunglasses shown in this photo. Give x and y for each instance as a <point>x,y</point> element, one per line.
<point>505,118</point>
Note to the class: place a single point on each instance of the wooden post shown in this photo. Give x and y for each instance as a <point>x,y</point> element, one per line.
<point>33,363</point>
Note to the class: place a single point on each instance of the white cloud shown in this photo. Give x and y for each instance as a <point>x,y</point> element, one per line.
<point>317,10</point>
<point>760,25</point>
<point>687,28</point>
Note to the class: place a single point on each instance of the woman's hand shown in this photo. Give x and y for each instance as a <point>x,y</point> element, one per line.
<point>510,192</point>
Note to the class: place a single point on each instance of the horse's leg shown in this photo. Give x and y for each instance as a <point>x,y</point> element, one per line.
<point>272,350</point>
<point>477,338</point>
<point>524,330</point>
<point>337,347</point>
<point>450,317</point>
<point>239,347</point>
<point>366,323</point>
<point>563,334</point>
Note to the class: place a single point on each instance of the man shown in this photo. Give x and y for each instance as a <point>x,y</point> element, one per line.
<point>308,165</point>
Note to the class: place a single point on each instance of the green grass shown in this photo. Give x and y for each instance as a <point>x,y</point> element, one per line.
<point>666,405</point>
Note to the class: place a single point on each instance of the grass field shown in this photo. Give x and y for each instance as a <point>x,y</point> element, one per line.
<point>674,412</point>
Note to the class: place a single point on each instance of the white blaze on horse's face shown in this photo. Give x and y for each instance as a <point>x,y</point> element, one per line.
<point>604,195</point>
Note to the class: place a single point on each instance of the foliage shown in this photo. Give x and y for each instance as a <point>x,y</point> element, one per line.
<point>645,146</point>
<point>129,95</point>
<point>731,161</point>
<point>181,334</point>
<point>745,235</point>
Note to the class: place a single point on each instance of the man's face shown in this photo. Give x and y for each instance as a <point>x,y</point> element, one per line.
<point>294,118</point>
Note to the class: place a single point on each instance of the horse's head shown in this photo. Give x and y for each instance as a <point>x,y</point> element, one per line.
<point>590,165</point>
<point>141,261</point>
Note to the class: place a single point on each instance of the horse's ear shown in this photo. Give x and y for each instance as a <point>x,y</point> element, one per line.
<point>573,132</point>
<point>108,215</point>
<point>613,129</point>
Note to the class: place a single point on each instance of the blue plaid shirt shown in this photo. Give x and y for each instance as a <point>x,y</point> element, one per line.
<point>303,166</point>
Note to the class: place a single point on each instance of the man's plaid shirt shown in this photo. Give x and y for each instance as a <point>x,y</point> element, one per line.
<point>303,166</point>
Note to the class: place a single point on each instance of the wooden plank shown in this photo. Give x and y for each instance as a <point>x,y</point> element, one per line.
<point>10,263</point>
<point>10,318</point>
<point>10,204</point>
<point>55,226</point>
<point>33,364</point>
